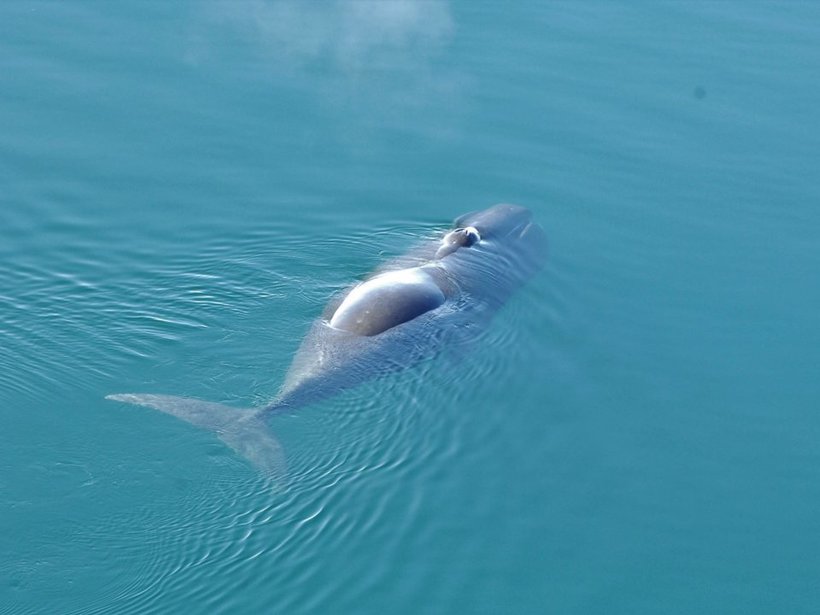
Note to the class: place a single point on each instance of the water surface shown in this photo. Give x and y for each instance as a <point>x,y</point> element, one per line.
<point>184,186</point>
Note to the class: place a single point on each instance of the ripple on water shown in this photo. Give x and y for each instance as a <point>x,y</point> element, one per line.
<point>85,321</point>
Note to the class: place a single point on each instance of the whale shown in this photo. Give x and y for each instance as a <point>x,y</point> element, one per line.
<point>437,297</point>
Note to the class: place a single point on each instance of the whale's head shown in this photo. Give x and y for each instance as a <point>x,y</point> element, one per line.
<point>510,249</point>
<point>505,224</point>
<point>497,222</point>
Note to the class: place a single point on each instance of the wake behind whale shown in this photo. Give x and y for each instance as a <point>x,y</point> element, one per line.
<point>410,309</point>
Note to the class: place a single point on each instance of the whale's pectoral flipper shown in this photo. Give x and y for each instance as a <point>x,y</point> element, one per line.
<point>239,428</point>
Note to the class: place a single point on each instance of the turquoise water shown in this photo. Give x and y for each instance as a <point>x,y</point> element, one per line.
<point>185,184</point>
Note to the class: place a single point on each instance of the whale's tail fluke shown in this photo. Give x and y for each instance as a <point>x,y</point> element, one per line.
<point>240,428</point>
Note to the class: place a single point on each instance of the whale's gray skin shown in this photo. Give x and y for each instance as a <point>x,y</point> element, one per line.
<point>412,308</point>
<point>426,301</point>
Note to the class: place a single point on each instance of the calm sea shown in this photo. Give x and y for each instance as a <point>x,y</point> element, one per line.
<point>184,184</point>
